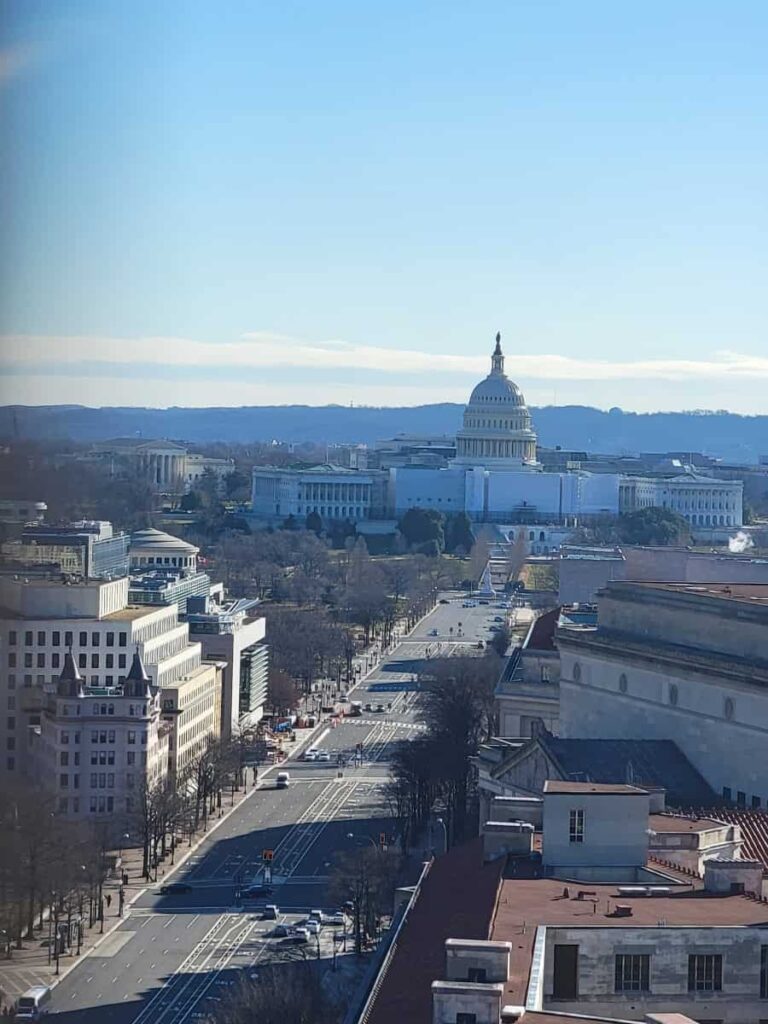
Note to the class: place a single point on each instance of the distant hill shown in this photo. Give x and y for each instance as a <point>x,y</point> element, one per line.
<point>727,435</point>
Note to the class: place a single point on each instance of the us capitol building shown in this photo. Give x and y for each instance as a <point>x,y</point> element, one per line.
<point>491,473</point>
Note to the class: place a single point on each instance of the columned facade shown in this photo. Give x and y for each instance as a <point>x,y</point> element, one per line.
<point>497,429</point>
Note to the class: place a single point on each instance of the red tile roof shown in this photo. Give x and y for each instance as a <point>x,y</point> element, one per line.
<point>754,829</point>
<point>456,902</point>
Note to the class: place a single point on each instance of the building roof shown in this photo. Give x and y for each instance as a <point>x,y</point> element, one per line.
<point>749,593</point>
<point>159,539</point>
<point>600,788</point>
<point>650,763</point>
<point>542,1017</point>
<point>541,635</point>
<point>526,902</point>
<point>682,823</point>
<point>754,829</point>
<point>456,900</point>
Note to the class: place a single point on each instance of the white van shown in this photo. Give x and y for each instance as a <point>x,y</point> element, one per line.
<point>283,780</point>
<point>34,1003</point>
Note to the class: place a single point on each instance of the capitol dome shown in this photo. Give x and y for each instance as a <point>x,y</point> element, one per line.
<point>497,427</point>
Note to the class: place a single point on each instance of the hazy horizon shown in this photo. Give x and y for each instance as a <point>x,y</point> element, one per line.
<point>333,203</point>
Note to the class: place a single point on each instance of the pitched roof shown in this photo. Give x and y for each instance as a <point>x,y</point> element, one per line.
<point>456,900</point>
<point>653,763</point>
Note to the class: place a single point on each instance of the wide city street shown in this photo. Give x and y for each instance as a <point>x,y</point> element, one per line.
<point>173,955</point>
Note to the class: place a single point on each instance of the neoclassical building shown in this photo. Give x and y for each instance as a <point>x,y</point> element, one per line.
<point>497,430</point>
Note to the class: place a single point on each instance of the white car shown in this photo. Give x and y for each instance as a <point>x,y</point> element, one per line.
<point>324,755</point>
<point>312,927</point>
<point>310,755</point>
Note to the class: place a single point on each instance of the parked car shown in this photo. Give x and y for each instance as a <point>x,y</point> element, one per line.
<point>310,755</point>
<point>335,919</point>
<point>270,912</point>
<point>283,780</point>
<point>324,755</point>
<point>300,935</point>
<point>368,707</point>
<point>175,888</point>
<point>498,618</point>
<point>313,927</point>
<point>444,600</point>
<point>433,632</point>
<point>280,931</point>
<point>494,629</point>
<point>379,708</point>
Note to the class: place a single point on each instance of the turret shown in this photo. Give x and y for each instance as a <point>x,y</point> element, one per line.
<point>70,682</point>
<point>137,682</point>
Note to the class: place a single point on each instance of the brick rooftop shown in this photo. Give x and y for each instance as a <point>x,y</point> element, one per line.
<point>526,902</point>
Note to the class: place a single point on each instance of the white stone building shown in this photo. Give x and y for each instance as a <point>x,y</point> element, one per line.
<point>333,492</point>
<point>676,661</point>
<point>702,501</point>
<point>97,746</point>
<point>42,618</point>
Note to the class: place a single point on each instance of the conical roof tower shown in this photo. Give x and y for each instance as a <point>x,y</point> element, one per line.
<point>138,683</point>
<point>70,682</point>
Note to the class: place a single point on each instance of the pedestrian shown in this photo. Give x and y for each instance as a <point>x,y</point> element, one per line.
<point>109,900</point>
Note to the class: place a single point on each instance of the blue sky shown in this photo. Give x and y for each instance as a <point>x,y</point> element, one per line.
<point>258,203</point>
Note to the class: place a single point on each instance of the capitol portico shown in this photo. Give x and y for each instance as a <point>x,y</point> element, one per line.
<point>497,429</point>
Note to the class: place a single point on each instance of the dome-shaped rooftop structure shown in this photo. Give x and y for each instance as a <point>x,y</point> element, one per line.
<point>157,548</point>
<point>497,428</point>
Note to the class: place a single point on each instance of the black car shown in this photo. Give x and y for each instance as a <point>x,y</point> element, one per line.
<point>253,892</point>
<point>175,889</point>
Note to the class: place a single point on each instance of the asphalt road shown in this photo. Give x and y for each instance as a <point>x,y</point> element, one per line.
<point>173,956</point>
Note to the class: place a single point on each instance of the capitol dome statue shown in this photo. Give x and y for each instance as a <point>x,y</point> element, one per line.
<point>497,429</point>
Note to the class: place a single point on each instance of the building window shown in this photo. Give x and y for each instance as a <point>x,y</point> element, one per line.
<point>110,661</point>
<point>466,1018</point>
<point>64,780</point>
<point>82,661</point>
<point>11,681</point>
<point>764,972</point>
<point>55,661</point>
<point>95,639</point>
<point>12,638</point>
<point>110,639</point>
<point>56,638</point>
<point>10,763</point>
<point>741,798</point>
<point>41,638</point>
<point>477,975</point>
<point>64,758</point>
<point>122,640</point>
<point>27,661</point>
<point>121,661</point>
<point>756,802</point>
<point>623,682</point>
<point>11,659</point>
<point>576,827</point>
<point>41,661</point>
<point>633,972</point>
<point>83,638</point>
<point>131,757</point>
<point>576,672</point>
<point>131,736</point>
<point>705,972</point>
<point>727,795</point>
<point>94,661</point>
<point>728,708</point>
<point>28,638</point>
<point>92,805</point>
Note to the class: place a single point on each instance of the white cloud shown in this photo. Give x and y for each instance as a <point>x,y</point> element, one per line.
<point>262,350</point>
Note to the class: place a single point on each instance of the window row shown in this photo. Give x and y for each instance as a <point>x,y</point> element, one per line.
<point>68,635</point>
<point>39,660</point>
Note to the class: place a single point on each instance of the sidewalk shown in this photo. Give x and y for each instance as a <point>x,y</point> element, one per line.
<point>29,965</point>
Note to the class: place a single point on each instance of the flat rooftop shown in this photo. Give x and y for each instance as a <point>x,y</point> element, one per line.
<point>524,903</point>
<point>748,593</point>
<point>132,612</point>
<point>600,788</point>
<point>682,823</point>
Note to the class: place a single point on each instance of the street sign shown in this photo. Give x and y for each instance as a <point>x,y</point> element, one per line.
<point>267,855</point>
